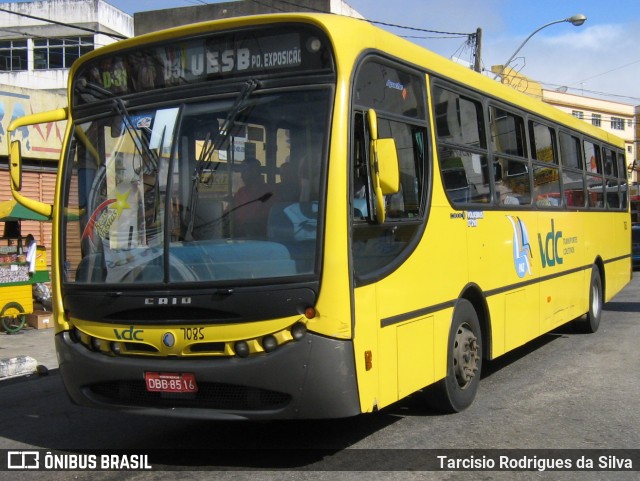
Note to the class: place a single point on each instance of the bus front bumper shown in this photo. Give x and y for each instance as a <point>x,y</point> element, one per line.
<point>312,378</point>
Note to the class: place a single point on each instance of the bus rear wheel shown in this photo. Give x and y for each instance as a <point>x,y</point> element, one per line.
<point>590,322</point>
<point>458,389</point>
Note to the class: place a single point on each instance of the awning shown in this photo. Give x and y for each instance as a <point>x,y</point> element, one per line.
<point>11,210</point>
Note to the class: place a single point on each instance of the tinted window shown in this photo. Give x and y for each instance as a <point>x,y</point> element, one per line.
<point>570,151</point>
<point>464,164</point>
<point>388,89</point>
<point>507,133</point>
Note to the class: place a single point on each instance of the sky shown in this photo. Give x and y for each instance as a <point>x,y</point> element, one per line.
<point>600,59</point>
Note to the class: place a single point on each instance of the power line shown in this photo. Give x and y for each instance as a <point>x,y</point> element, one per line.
<point>607,72</point>
<point>377,22</point>
<point>416,29</point>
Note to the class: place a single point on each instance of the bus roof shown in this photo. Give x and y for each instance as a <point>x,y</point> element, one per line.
<point>353,37</point>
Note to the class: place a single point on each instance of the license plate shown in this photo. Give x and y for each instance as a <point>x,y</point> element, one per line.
<point>171,382</point>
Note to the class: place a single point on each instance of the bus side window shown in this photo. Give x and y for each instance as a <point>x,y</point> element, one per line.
<point>376,246</point>
<point>595,181</point>
<point>361,187</point>
<point>572,176</point>
<point>410,148</point>
<point>394,92</point>
<point>513,187</point>
<point>546,174</point>
<point>462,148</point>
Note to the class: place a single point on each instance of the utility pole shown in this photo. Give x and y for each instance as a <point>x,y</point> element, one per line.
<point>477,53</point>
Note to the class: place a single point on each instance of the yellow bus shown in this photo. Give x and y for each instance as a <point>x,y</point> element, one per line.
<point>304,216</point>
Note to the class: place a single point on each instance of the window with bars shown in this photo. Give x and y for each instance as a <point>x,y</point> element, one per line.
<point>52,53</point>
<point>13,55</point>
<point>617,123</point>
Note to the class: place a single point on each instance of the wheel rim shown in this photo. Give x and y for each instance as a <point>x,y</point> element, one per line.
<point>595,300</point>
<point>466,356</point>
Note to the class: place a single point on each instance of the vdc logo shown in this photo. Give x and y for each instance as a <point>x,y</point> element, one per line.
<point>521,247</point>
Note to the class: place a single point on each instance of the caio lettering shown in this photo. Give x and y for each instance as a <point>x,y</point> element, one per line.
<point>165,301</point>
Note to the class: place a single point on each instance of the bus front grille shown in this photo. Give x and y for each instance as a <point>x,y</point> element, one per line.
<point>209,396</point>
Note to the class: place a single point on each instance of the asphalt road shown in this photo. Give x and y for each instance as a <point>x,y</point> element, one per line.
<point>564,391</point>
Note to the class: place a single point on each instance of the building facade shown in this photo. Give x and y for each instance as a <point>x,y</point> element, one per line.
<point>40,40</point>
<point>154,20</point>
<point>614,117</point>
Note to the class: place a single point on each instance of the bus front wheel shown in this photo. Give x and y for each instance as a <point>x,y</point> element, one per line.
<point>458,389</point>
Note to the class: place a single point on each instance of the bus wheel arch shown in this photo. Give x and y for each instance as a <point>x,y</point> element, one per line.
<point>475,296</point>
<point>590,322</point>
<point>599,263</point>
<point>457,390</point>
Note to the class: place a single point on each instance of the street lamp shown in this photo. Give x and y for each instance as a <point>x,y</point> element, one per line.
<point>576,20</point>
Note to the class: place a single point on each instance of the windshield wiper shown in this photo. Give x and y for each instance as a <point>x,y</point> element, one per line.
<point>227,126</point>
<point>210,146</point>
<point>99,92</point>
<point>142,145</point>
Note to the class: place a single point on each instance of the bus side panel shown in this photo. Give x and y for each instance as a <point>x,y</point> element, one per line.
<point>561,261</point>
<point>497,326</point>
<point>502,259</point>
<point>366,347</point>
<point>608,237</point>
<point>618,272</point>
<point>561,300</point>
<point>415,365</point>
<point>435,274</point>
<point>411,341</point>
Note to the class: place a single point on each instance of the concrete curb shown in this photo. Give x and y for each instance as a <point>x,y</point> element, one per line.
<point>17,366</point>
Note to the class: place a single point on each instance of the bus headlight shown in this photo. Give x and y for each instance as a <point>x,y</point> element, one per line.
<point>96,344</point>
<point>298,330</point>
<point>75,335</point>
<point>241,348</point>
<point>269,343</point>
<point>116,348</point>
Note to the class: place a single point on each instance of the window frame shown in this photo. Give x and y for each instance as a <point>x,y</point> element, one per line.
<point>17,51</point>
<point>574,173</point>
<point>400,235</point>
<point>69,49</point>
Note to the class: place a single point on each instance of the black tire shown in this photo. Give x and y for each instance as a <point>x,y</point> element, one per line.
<point>13,323</point>
<point>590,322</point>
<point>458,389</point>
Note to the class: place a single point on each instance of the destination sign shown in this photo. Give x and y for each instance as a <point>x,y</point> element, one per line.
<point>260,52</point>
<point>281,52</point>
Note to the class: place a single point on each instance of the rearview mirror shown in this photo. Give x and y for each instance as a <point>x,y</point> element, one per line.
<point>15,157</point>
<point>385,172</point>
<point>15,165</point>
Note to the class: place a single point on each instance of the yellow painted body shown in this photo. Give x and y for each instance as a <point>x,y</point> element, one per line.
<point>400,324</point>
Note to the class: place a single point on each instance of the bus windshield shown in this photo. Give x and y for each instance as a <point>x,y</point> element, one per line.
<point>222,189</point>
